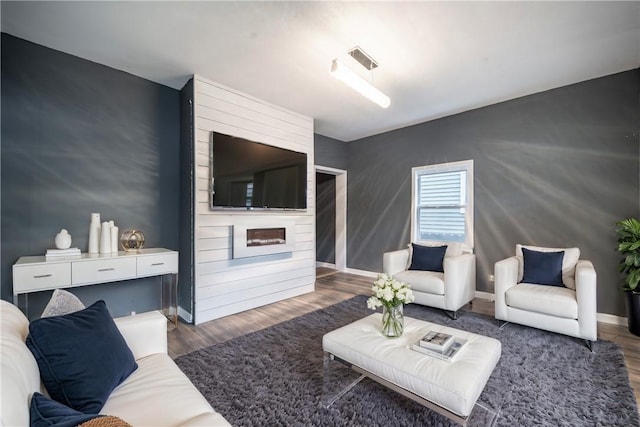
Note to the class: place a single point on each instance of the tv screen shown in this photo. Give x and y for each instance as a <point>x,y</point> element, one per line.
<point>252,175</point>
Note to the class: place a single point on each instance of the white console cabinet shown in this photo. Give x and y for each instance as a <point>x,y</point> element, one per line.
<point>36,273</point>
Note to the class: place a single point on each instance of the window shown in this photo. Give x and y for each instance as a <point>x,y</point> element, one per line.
<point>443,203</point>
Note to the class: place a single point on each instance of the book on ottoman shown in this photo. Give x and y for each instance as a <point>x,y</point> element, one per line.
<point>437,341</point>
<point>448,355</point>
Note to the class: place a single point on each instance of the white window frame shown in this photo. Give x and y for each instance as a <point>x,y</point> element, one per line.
<point>464,165</point>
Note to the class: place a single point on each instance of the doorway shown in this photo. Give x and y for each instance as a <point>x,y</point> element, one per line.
<point>331,218</point>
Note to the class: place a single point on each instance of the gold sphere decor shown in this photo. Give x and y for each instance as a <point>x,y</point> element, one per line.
<point>132,240</point>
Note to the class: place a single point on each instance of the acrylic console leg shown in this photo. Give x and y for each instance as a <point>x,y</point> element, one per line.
<point>169,297</point>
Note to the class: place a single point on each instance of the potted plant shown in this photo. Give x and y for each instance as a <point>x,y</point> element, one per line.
<point>629,247</point>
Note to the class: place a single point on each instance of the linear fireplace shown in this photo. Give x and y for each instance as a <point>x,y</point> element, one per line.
<point>253,239</point>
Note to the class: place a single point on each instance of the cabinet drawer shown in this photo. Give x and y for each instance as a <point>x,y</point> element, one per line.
<point>104,270</point>
<point>29,278</point>
<point>157,264</point>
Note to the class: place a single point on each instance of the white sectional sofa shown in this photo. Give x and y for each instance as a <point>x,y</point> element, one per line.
<point>157,393</point>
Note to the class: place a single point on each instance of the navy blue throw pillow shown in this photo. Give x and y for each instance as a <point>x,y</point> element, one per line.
<point>428,258</point>
<point>44,412</point>
<point>543,268</point>
<point>82,356</point>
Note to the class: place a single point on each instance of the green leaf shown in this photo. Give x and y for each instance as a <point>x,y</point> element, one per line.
<point>634,279</point>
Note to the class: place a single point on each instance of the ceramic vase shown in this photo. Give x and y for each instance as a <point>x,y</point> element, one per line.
<point>105,238</point>
<point>114,239</point>
<point>94,234</point>
<point>63,239</point>
<point>392,321</point>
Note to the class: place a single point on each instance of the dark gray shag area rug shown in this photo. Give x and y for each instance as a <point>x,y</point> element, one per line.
<point>273,377</point>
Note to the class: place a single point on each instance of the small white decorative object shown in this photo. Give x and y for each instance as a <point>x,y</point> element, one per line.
<point>105,238</point>
<point>63,239</point>
<point>94,234</point>
<point>114,239</point>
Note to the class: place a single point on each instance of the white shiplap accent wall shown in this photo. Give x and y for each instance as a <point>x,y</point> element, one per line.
<point>224,285</point>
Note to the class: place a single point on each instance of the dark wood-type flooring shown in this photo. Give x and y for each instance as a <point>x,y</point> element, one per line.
<point>331,288</point>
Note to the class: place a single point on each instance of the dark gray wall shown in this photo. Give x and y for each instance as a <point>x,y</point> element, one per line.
<point>557,168</point>
<point>79,137</point>
<point>330,152</point>
<point>325,218</point>
<point>187,197</point>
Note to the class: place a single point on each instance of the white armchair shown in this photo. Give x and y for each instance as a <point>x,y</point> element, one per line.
<point>449,290</point>
<point>569,309</point>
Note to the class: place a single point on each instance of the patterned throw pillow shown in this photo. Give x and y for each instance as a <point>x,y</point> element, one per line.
<point>62,302</point>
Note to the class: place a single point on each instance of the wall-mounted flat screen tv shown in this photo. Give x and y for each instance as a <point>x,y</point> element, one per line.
<point>251,175</point>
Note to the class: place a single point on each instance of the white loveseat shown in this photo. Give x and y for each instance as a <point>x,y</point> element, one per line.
<point>449,291</point>
<point>156,394</point>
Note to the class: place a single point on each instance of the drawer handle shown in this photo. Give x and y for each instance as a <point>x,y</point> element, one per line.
<point>41,276</point>
<point>157,263</point>
<point>106,269</point>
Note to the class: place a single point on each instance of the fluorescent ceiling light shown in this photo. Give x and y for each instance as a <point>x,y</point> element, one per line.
<point>340,71</point>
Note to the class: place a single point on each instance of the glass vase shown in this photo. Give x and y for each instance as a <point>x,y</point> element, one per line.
<point>392,321</point>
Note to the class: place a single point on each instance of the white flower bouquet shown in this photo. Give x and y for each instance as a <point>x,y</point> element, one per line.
<point>389,292</point>
<point>391,295</point>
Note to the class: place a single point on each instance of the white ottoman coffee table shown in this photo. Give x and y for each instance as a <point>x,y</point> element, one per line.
<point>450,388</point>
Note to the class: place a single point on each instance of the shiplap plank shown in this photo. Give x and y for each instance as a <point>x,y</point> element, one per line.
<point>227,218</point>
<point>305,228</point>
<point>212,255</point>
<point>202,160</point>
<point>203,209</point>
<point>214,232</point>
<point>215,243</point>
<point>304,238</point>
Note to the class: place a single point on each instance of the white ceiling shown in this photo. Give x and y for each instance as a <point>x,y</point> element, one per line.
<point>436,58</point>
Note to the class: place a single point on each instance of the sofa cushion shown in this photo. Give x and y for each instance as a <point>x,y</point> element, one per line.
<point>423,281</point>
<point>427,258</point>
<point>551,300</point>
<point>543,268</point>
<point>82,356</point>
<point>62,302</point>
<point>569,261</point>
<point>44,412</point>
<point>159,393</point>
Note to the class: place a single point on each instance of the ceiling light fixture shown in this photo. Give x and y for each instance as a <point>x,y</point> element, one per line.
<point>366,89</point>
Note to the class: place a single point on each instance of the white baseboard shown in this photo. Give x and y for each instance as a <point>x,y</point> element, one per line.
<point>184,315</point>
<point>486,295</point>
<point>612,319</point>
<point>365,273</point>
<point>325,264</point>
